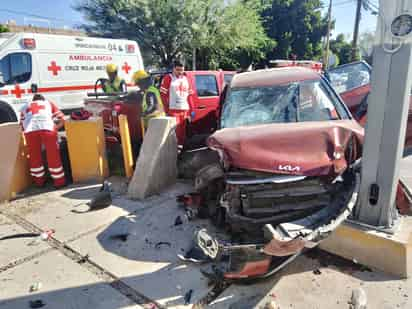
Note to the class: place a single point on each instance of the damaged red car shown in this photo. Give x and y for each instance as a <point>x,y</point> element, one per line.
<point>280,174</point>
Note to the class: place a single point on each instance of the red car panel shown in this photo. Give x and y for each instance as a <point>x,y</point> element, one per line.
<point>207,87</point>
<point>285,148</point>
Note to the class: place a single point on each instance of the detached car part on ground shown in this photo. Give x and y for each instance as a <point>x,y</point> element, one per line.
<point>281,174</point>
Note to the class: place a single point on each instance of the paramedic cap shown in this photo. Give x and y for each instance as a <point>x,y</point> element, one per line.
<point>111,68</point>
<point>139,75</point>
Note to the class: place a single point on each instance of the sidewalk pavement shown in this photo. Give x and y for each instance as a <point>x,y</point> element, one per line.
<point>87,266</point>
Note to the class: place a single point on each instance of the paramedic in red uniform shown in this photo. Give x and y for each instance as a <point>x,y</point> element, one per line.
<point>176,97</point>
<point>40,120</point>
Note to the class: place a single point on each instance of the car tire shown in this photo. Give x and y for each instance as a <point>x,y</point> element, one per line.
<point>7,114</point>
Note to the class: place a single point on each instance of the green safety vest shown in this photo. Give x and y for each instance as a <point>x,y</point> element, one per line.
<point>158,112</point>
<point>114,86</point>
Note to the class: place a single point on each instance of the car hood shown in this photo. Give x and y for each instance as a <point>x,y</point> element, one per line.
<point>307,148</point>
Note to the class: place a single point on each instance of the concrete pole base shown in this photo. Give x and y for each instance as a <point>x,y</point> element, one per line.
<point>389,253</point>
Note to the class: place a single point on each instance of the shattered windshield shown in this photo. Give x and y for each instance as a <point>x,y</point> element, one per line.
<point>294,102</point>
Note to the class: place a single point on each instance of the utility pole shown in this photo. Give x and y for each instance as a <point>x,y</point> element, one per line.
<point>326,55</point>
<point>388,105</point>
<point>356,29</point>
<point>194,59</point>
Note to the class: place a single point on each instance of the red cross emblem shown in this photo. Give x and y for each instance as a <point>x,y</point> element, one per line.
<point>34,108</point>
<point>17,91</point>
<point>54,68</point>
<point>126,67</point>
<point>182,89</point>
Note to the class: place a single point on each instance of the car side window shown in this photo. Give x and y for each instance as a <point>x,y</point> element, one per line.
<point>206,86</point>
<point>16,68</point>
<point>315,104</point>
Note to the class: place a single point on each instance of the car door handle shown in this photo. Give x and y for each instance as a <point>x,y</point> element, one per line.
<point>201,107</point>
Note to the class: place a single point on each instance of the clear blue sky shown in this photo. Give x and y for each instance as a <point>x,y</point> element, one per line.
<point>344,11</point>
<point>60,13</point>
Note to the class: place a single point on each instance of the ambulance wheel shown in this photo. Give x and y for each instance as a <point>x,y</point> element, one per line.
<point>7,114</point>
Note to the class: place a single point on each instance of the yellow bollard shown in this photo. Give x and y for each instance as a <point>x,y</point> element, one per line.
<point>126,145</point>
<point>87,149</point>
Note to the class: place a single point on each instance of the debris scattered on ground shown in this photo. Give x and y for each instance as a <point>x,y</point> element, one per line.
<point>21,235</point>
<point>359,299</point>
<point>44,236</point>
<point>162,243</point>
<point>326,260</point>
<point>317,271</point>
<point>178,221</point>
<point>122,237</point>
<point>271,305</point>
<point>191,203</point>
<point>35,287</point>
<point>188,296</point>
<point>194,255</point>
<point>150,306</point>
<point>101,200</point>
<point>38,303</point>
<point>83,259</point>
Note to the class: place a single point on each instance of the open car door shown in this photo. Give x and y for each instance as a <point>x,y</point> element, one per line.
<point>352,82</point>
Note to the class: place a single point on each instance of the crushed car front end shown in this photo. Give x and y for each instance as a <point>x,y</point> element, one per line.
<point>287,173</point>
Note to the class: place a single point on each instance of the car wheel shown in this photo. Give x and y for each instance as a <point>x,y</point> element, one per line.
<point>7,114</point>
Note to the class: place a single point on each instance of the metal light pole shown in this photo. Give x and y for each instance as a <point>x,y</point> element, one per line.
<point>388,105</point>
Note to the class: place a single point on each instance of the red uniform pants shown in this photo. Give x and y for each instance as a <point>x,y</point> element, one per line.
<point>35,140</point>
<point>181,118</point>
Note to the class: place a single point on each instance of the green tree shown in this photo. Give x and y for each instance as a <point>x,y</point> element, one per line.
<point>342,49</point>
<point>366,45</point>
<point>297,26</point>
<point>168,28</point>
<point>4,28</point>
<point>230,36</point>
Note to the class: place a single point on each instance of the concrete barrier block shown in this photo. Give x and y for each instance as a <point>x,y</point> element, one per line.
<point>156,167</point>
<point>21,175</point>
<point>9,145</point>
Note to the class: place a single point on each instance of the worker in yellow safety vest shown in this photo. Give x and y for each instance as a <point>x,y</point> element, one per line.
<point>114,84</point>
<point>152,105</point>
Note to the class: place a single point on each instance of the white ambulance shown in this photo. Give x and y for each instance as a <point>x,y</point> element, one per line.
<point>62,68</point>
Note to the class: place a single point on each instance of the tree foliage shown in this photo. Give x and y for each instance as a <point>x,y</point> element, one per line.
<point>169,28</point>
<point>297,27</point>
<point>4,28</point>
<point>342,49</point>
